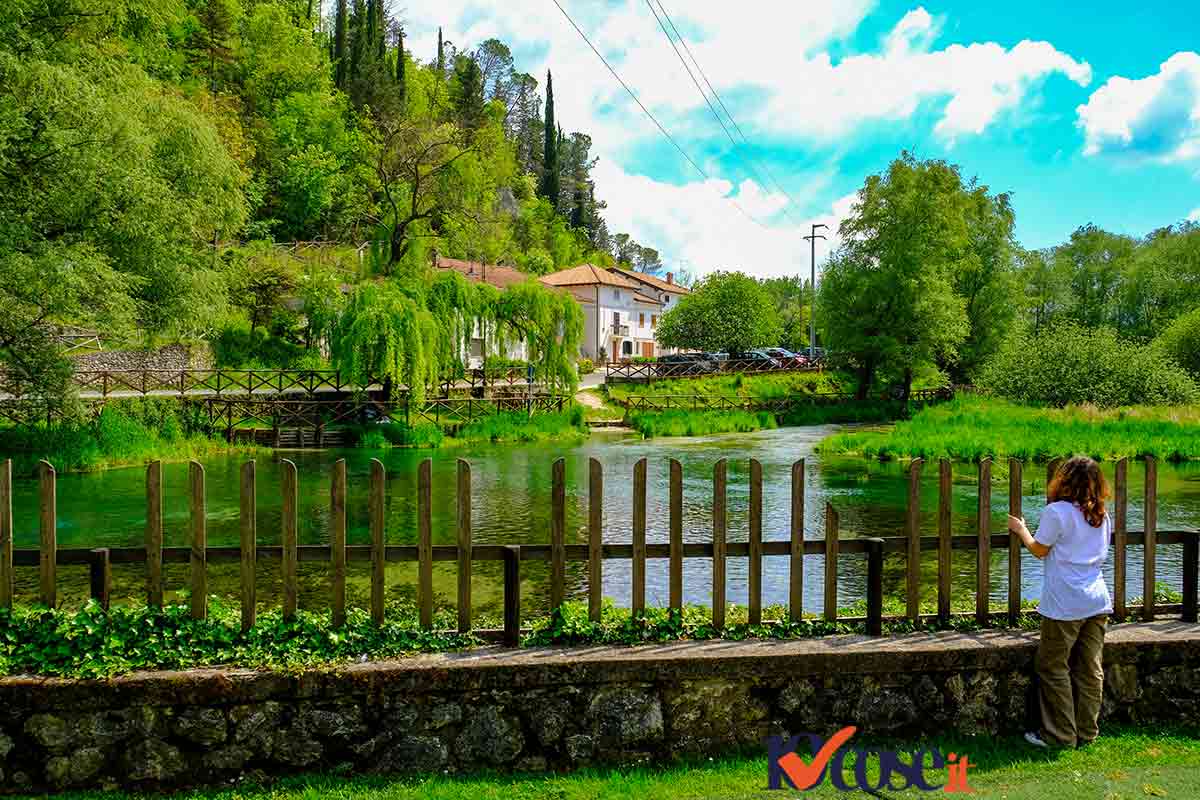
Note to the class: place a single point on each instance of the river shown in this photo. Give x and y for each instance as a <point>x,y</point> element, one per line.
<point>511,499</point>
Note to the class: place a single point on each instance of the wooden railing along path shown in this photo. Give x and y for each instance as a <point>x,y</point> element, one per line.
<point>465,552</point>
<point>646,371</point>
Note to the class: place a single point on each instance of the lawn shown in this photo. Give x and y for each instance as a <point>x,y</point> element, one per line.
<point>970,427</point>
<point>1122,765</point>
<point>757,387</point>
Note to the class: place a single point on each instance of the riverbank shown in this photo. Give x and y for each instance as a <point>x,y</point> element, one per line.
<point>972,427</point>
<point>505,428</point>
<point>684,422</point>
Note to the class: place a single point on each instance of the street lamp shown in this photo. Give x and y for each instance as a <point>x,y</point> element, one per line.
<point>812,315</point>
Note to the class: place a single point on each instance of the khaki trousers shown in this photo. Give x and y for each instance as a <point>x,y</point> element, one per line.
<point>1071,673</point>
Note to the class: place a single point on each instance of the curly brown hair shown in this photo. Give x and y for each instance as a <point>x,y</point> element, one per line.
<point>1078,480</point>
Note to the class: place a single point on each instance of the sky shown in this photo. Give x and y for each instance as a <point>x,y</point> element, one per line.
<point>1082,114</point>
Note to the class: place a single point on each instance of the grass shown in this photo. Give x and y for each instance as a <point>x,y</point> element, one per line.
<point>971,427</point>
<point>758,387</point>
<point>1125,763</point>
<point>699,423</point>
<point>517,427</point>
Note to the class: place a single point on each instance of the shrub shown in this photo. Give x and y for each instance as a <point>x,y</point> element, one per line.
<point>374,440</point>
<point>1069,364</point>
<point>699,423</point>
<point>586,367</point>
<point>1180,342</point>
<point>517,427</point>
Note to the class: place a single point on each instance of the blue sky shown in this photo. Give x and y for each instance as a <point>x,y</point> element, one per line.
<point>1084,115</point>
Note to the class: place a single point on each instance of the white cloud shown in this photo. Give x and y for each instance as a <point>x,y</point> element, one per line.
<point>1194,216</point>
<point>1155,118</point>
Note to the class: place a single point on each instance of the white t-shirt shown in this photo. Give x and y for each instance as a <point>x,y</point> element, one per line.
<point>1073,585</point>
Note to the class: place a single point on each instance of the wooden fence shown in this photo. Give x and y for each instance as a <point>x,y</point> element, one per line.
<point>646,371</point>
<point>779,405</point>
<point>796,548</point>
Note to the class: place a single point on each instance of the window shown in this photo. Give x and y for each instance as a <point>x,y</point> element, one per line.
<point>616,319</point>
<point>653,320</point>
<point>626,348</point>
<point>642,320</point>
<point>616,294</point>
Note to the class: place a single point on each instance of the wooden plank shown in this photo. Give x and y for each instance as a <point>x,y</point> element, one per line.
<point>100,577</point>
<point>558,524</point>
<point>983,561</point>
<point>249,542</point>
<point>154,535</point>
<point>512,595</point>
<point>1150,542</point>
<point>464,545</point>
<point>1191,576</point>
<point>755,582</point>
<point>1014,543</point>
<point>337,540</point>
<point>718,556</point>
<point>913,524</point>
<point>831,559</point>
<point>48,528</point>
<point>199,543</point>
<point>595,538</point>
<point>796,553</point>
<point>378,545</point>
<point>1120,534</point>
<point>638,601</point>
<point>289,537</point>
<point>676,536</point>
<point>425,543</point>
<point>6,535</point>
<point>945,515</point>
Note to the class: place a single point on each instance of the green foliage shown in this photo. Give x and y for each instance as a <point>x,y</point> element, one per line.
<point>237,347</point>
<point>1072,364</point>
<point>386,335</point>
<point>374,440</point>
<point>586,367</point>
<point>1181,343</point>
<point>793,297</point>
<point>518,427</point>
<point>726,311</point>
<point>970,428</point>
<point>699,423</point>
<point>421,435</point>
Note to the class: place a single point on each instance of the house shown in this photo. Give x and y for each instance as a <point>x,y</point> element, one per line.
<point>499,276</point>
<point>668,292</point>
<point>619,314</point>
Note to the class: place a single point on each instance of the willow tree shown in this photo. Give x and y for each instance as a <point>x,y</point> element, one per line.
<point>550,323</point>
<point>458,307</point>
<point>386,335</point>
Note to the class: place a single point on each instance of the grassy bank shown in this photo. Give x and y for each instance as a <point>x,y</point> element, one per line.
<point>507,427</point>
<point>125,432</point>
<point>973,427</point>
<point>652,424</point>
<point>756,387</point>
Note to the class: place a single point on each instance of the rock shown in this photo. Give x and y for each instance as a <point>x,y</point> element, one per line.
<point>884,710</point>
<point>705,713</point>
<point>796,696</point>
<point>489,737</point>
<point>342,722</point>
<point>976,699</point>
<point>580,747</point>
<point>402,715</point>
<point>531,764</point>
<point>153,760</point>
<point>293,748</point>
<point>1121,683</point>
<point>444,714</point>
<point>227,759</point>
<point>104,728</point>
<point>50,731</point>
<point>624,717</point>
<point>413,754</point>
<point>548,718</point>
<point>6,746</point>
<point>256,725</point>
<point>78,768</point>
<point>203,726</point>
<point>929,698</point>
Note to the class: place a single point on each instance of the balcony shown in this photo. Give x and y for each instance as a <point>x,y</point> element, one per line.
<point>620,330</point>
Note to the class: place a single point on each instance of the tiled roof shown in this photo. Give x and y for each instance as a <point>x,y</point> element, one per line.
<point>650,280</point>
<point>498,276</point>
<point>588,275</point>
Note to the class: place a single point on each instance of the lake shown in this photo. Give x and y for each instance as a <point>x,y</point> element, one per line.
<point>511,501</point>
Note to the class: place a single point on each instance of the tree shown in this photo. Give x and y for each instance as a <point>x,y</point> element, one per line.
<point>792,296</point>
<point>1045,288</point>
<point>726,311</point>
<point>341,28</point>
<point>388,336</point>
<point>648,260</point>
<point>1095,262</point>
<point>466,93</point>
<point>400,66</point>
<point>887,299</point>
<point>549,186</point>
<point>213,41</point>
<point>260,280</point>
<point>1180,342</point>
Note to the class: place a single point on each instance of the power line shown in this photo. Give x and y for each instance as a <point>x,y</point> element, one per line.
<point>717,95</point>
<point>653,119</point>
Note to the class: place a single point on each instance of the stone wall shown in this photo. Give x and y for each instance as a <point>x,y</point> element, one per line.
<point>171,357</point>
<point>554,709</point>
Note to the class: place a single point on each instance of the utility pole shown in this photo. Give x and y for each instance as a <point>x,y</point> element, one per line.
<point>812,314</point>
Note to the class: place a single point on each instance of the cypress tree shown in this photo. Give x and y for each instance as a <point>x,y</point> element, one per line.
<point>549,187</point>
<point>441,58</point>
<point>400,65</point>
<point>380,32</point>
<point>358,41</point>
<point>339,44</point>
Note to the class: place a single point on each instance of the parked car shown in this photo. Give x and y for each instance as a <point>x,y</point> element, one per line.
<point>758,360</point>
<point>786,357</point>
<point>685,364</point>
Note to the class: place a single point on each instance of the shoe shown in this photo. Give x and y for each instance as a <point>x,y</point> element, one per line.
<point>1036,740</point>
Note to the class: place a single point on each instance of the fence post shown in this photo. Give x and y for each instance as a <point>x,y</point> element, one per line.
<point>249,542</point>
<point>831,559</point>
<point>378,549</point>
<point>755,611</point>
<point>1191,570</point>
<point>425,542</point>
<point>913,568</point>
<point>464,546</point>
<point>1120,537</point>
<point>945,504</point>
<point>874,586</point>
<point>1014,543</point>
<point>48,524</point>
<point>719,521</point>
<point>289,537</point>
<point>1150,552</point>
<point>595,538</point>
<point>796,554</point>
<point>154,535</point>
<point>100,574</point>
<point>639,538</point>
<point>676,536</point>
<point>512,595</point>
<point>6,535</point>
<point>558,525</point>
<point>199,552</point>
<point>337,540</point>
<point>983,561</point>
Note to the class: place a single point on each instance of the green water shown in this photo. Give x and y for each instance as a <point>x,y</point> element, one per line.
<point>510,505</point>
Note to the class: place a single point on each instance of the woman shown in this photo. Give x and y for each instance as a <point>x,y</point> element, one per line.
<point>1072,539</point>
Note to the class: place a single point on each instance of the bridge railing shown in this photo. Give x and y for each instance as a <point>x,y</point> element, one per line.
<point>828,544</point>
